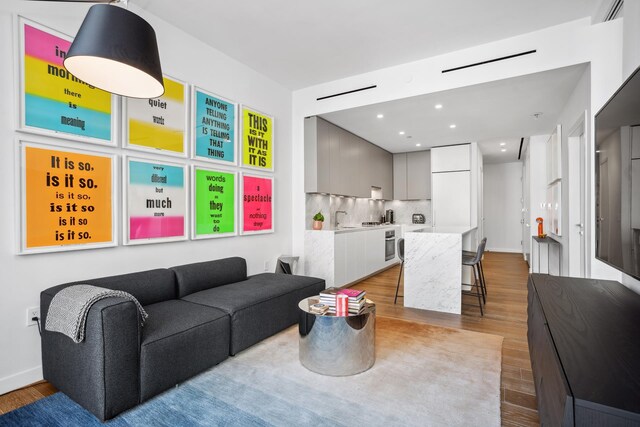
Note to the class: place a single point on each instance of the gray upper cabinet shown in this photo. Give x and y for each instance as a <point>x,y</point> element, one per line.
<point>339,162</point>
<point>400,176</point>
<point>412,175</point>
<point>419,175</point>
<point>316,156</point>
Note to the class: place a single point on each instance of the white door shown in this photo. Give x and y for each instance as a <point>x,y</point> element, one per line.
<point>451,199</point>
<point>577,199</point>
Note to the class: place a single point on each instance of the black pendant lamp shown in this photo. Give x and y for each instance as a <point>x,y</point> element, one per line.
<point>116,50</point>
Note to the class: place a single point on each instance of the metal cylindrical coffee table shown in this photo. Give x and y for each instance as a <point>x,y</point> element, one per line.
<point>337,345</point>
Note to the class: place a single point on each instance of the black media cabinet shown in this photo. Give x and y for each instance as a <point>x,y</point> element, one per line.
<point>584,342</point>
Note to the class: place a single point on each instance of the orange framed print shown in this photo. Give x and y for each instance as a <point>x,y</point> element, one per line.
<point>66,198</point>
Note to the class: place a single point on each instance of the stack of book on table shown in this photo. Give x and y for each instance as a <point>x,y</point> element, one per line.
<point>356,299</point>
<point>319,308</point>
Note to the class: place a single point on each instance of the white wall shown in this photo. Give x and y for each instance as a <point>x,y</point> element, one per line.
<point>631,38</point>
<point>578,102</point>
<point>25,276</point>
<point>502,206</point>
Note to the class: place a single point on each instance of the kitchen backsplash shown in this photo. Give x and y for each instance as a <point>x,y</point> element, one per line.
<point>358,210</point>
<point>403,210</point>
<point>362,210</point>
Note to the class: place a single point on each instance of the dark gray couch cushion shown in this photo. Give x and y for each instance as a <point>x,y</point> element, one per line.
<point>260,306</point>
<point>180,339</point>
<point>209,274</point>
<point>148,287</point>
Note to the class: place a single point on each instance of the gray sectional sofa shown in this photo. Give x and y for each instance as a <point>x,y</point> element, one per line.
<point>199,314</point>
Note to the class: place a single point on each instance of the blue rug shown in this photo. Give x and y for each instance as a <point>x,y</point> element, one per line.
<point>423,376</point>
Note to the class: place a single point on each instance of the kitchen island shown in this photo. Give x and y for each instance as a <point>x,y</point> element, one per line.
<point>433,271</point>
<point>347,254</point>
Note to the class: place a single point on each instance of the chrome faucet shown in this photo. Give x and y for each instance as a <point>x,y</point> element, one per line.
<point>336,219</point>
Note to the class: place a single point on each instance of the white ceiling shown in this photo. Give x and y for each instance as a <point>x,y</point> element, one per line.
<point>301,43</point>
<point>490,113</point>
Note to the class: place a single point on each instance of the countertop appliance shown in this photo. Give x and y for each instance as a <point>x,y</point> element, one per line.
<point>389,244</point>
<point>388,216</point>
<point>417,218</point>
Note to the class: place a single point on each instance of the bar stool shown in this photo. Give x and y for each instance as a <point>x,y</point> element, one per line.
<point>474,263</point>
<point>472,254</point>
<point>401,256</point>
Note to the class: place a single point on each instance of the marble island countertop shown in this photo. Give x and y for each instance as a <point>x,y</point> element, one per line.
<point>444,230</point>
<point>354,228</point>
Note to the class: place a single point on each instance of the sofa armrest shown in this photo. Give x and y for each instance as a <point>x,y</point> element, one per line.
<point>102,372</point>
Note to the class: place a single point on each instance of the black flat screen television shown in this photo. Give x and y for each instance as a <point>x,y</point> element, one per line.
<point>617,179</point>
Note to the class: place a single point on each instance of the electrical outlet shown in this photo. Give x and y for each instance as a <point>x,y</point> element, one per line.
<point>31,313</point>
<point>266,266</point>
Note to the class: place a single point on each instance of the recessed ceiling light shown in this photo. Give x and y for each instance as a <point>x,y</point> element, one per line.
<point>438,106</point>
<point>418,145</point>
<point>502,144</point>
<point>380,116</point>
<point>503,150</point>
<point>401,132</point>
<point>452,126</point>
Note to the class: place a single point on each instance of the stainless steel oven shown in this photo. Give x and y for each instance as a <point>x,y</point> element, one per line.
<point>389,245</point>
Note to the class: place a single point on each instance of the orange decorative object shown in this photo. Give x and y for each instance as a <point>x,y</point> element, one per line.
<point>540,221</point>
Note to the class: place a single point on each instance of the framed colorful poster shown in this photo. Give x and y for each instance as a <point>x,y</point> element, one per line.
<point>52,100</point>
<point>257,204</point>
<point>66,199</point>
<point>257,139</point>
<point>155,200</point>
<point>214,203</point>
<point>158,125</point>
<point>213,128</point>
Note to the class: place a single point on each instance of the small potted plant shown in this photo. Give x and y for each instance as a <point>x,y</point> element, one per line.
<point>318,219</point>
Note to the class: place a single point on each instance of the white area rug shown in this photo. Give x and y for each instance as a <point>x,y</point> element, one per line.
<point>423,376</point>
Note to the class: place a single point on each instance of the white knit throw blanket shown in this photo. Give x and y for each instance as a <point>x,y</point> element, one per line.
<point>69,309</point>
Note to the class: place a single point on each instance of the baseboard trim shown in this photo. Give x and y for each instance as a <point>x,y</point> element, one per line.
<point>508,250</point>
<point>21,379</point>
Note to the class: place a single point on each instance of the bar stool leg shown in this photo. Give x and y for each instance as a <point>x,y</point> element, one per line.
<point>398,285</point>
<point>477,267</point>
<point>475,281</point>
<point>484,282</point>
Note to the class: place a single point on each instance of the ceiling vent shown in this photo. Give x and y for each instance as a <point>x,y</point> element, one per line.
<point>489,61</point>
<point>614,11</point>
<point>347,92</point>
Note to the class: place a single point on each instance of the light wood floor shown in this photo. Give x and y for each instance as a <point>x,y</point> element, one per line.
<point>505,315</point>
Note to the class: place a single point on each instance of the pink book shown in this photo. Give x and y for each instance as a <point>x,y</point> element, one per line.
<point>352,293</point>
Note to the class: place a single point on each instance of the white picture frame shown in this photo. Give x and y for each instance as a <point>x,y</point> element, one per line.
<point>137,184</point>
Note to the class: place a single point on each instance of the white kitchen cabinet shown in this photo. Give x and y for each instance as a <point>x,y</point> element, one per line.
<point>358,254</point>
<point>340,259</point>
<point>451,158</point>
<point>451,199</point>
<point>374,248</point>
